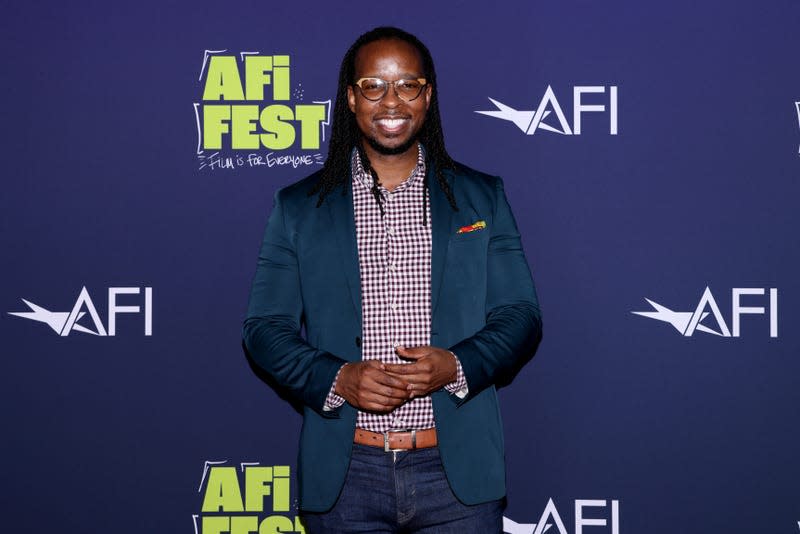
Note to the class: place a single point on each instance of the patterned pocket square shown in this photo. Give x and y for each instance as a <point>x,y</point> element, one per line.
<point>480,225</point>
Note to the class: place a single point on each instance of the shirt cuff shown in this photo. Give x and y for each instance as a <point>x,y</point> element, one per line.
<point>333,401</point>
<point>459,386</point>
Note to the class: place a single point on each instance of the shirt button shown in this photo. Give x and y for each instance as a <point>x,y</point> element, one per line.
<point>390,230</point>
<point>393,306</point>
<point>392,267</point>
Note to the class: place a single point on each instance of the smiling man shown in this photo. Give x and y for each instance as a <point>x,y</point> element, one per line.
<point>407,272</point>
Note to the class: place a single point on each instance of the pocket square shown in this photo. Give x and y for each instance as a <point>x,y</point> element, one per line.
<point>480,225</point>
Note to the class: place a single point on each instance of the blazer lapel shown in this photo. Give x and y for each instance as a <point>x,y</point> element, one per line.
<point>343,222</point>
<point>441,215</point>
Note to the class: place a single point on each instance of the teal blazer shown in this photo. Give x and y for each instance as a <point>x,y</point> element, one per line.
<point>483,308</point>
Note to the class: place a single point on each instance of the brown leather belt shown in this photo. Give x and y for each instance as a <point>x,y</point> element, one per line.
<point>397,440</point>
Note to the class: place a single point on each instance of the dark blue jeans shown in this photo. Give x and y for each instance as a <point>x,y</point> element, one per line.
<point>399,493</point>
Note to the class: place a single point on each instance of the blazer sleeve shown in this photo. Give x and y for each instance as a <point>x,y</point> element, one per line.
<point>271,330</point>
<point>513,326</point>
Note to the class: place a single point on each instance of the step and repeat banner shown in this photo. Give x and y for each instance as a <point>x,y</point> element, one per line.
<point>651,155</point>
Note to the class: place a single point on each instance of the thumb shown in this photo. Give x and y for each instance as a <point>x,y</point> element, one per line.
<point>412,353</point>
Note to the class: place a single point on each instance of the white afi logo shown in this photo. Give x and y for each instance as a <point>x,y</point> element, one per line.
<point>65,322</point>
<point>551,514</point>
<point>530,121</point>
<point>797,105</point>
<point>688,322</point>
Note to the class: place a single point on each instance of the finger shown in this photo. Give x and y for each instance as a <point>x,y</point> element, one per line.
<point>367,377</point>
<point>413,353</point>
<point>378,390</point>
<point>373,364</point>
<point>384,378</point>
<point>386,386</point>
<point>401,368</point>
<point>393,396</point>
<point>416,378</point>
<point>419,390</point>
<point>383,394</point>
<point>378,399</point>
<point>419,366</point>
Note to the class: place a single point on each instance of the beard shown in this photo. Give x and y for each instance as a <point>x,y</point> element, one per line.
<point>391,151</point>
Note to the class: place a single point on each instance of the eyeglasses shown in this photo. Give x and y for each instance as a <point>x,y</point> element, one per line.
<point>375,88</point>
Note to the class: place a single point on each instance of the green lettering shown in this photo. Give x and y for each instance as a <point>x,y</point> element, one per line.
<point>309,116</point>
<point>222,491</point>
<point>280,72</point>
<point>215,525</point>
<point>243,127</point>
<point>280,499</point>
<point>279,135</point>
<point>257,486</point>
<point>275,524</point>
<point>223,81</point>
<point>214,124</point>
<point>256,69</point>
<point>243,524</point>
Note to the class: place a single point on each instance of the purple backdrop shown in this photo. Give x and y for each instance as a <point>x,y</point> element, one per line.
<point>661,417</point>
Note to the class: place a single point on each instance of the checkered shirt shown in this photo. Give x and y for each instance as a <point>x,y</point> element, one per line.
<point>394,256</point>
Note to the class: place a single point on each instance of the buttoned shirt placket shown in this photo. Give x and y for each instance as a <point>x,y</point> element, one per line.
<point>395,265</point>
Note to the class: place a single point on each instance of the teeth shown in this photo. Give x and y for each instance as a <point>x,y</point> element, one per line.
<point>391,123</point>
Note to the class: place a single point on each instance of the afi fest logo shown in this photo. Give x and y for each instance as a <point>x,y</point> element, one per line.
<point>63,322</point>
<point>531,121</point>
<point>250,116</point>
<point>550,518</point>
<point>688,322</point>
<point>253,498</point>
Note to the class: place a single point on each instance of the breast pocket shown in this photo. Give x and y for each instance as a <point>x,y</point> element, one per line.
<point>466,258</point>
<point>475,235</point>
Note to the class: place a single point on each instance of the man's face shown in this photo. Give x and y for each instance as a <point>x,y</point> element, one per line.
<point>391,124</point>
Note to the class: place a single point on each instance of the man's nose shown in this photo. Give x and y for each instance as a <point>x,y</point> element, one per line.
<point>391,99</point>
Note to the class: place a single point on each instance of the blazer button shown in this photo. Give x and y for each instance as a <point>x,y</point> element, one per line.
<point>358,341</point>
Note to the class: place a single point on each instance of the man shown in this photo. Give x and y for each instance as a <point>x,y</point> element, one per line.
<point>406,270</point>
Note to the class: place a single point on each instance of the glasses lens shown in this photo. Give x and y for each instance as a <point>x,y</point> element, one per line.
<point>373,88</point>
<point>408,89</point>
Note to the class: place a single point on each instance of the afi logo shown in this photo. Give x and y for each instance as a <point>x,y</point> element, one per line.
<point>550,517</point>
<point>687,322</point>
<point>65,322</point>
<point>530,121</point>
<point>250,499</point>
<point>797,105</point>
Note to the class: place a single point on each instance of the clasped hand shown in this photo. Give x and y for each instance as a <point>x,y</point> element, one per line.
<point>374,386</point>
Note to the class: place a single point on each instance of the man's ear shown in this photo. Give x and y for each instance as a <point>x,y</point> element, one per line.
<point>351,98</point>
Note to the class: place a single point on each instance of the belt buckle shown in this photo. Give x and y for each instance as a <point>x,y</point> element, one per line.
<point>386,439</point>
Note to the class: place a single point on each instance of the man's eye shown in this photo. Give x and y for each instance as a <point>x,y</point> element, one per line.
<point>371,85</point>
<point>409,85</point>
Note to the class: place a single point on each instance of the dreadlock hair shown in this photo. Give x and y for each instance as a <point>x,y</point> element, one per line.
<point>346,135</point>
